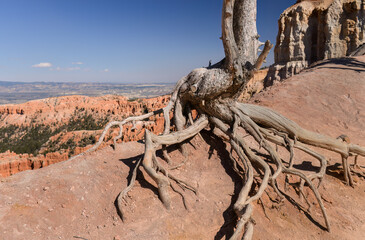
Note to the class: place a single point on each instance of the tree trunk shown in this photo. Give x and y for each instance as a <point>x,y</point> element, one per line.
<point>212,92</point>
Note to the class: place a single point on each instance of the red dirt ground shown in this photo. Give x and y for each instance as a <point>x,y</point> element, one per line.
<point>75,199</point>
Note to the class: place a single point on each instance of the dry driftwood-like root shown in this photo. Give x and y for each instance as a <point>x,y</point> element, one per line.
<point>213,92</point>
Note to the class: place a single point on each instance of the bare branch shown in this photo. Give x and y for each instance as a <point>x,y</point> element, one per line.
<point>229,43</point>
<point>263,55</point>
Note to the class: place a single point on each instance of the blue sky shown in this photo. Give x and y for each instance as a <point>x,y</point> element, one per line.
<point>123,41</point>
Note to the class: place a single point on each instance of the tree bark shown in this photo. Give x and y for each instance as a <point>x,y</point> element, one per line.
<point>245,30</point>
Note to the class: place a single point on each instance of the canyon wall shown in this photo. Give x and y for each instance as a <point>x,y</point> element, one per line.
<point>60,109</point>
<point>312,30</point>
<point>63,117</point>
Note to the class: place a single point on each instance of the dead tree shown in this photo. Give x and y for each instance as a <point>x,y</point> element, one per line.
<point>213,93</point>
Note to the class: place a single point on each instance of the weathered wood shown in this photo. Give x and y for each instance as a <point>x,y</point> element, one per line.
<point>212,92</point>
<point>263,55</point>
<point>229,43</point>
<point>245,30</point>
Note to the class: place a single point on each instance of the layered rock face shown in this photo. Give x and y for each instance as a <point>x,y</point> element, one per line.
<point>316,30</point>
<point>60,109</point>
<point>65,118</point>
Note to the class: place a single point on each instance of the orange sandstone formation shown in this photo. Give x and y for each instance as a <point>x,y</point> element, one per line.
<point>54,110</point>
<point>310,31</point>
<point>58,111</point>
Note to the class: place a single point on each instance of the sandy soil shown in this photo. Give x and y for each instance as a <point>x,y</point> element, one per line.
<point>75,199</point>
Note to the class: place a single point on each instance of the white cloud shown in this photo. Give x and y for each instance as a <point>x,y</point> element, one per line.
<point>42,65</point>
<point>106,70</point>
<point>77,63</point>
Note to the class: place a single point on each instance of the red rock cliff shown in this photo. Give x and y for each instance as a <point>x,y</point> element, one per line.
<point>54,112</point>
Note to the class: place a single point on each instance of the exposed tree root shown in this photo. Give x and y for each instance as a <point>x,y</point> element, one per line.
<point>121,197</point>
<point>213,92</point>
<point>265,126</point>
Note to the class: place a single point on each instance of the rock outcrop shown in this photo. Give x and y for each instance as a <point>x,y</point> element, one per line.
<point>313,30</point>
<point>11,163</point>
<point>56,113</point>
<point>61,109</point>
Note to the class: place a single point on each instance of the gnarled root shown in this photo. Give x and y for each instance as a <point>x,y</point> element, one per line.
<point>150,163</point>
<point>266,127</point>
